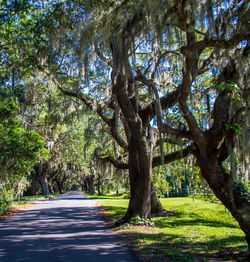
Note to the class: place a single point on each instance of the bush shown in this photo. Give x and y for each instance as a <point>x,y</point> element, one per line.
<point>6,198</point>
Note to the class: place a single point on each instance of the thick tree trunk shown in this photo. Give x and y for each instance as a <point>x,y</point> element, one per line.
<point>91,186</point>
<point>139,159</point>
<point>41,177</point>
<point>44,183</point>
<point>225,188</point>
<point>140,170</point>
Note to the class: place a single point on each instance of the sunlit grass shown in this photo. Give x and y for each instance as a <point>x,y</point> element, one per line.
<point>38,197</point>
<point>197,229</point>
<point>32,198</point>
<point>25,201</point>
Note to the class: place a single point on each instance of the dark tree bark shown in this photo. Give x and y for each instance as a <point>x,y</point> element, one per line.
<point>140,172</point>
<point>44,183</point>
<point>156,206</point>
<point>41,177</point>
<point>59,185</point>
<point>90,186</point>
<point>139,160</point>
<point>225,189</point>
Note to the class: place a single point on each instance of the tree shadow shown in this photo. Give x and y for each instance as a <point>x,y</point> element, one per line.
<point>172,247</point>
<point>194,220</point>
<point>60,234</point>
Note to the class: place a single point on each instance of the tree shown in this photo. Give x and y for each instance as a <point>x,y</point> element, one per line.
<point>126,116</point>
<point>173,50</point>
<point>182,65</point>
<point>20,150</point>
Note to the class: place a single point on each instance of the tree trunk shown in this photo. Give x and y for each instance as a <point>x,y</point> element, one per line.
<point>91,186</point>
<point>41,177</point>
<point>156,206</point>
<point>59,186</point>
<point>99,184</point>
<point>139,159</point>
<point>236,200</point>
<point>140,170</point>
<point>44,183</point>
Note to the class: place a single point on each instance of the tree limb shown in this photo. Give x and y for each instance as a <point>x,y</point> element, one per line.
<point>165,102</point>
<point>95,106</point>
<point>115,162</point>
<point>173,156</point>
<point>168,158</point>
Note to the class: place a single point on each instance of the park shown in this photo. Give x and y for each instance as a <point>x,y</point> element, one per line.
<point>137,112</point>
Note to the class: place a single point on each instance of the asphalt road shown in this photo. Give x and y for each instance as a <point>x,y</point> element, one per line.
<point>66,228</point>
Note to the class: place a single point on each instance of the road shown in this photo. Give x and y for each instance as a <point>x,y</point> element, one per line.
<point>66,228</point>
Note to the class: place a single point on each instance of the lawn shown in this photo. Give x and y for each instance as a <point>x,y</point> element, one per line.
<point>198,231</point>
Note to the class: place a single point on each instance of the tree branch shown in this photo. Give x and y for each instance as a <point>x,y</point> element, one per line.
<point>165,102</point>
<point>171,141</point>
<point>156,160</point>
<point>103,57</point>
<point>216,43</point>
<point>95,106</point>
<point>115,162</point>
<point>173,156</point>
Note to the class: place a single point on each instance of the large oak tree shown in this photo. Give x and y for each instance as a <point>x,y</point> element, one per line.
<point>133,62</point>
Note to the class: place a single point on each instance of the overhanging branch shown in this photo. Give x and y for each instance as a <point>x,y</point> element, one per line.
<point>115,162</point>
<point>173,156</point>
<point>95,106</point>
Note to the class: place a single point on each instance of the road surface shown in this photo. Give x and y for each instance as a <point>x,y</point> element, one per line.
<point>67,228</point>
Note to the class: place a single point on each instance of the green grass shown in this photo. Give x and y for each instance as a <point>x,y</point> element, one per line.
<point>38,197</point>
<point>18,205</point>
<point>32,198</point>
<point>199,229</point>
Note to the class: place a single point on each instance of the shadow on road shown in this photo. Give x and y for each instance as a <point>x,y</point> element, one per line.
<point>65,229</point>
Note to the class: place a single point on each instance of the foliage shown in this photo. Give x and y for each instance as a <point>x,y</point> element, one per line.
<point>139,221</point>
<point>161,185</point>
<point>176,71</point>
<point>20,150</point>
<point>6,197</point>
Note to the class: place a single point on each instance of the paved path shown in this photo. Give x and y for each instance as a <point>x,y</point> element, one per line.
<point>67,228</point>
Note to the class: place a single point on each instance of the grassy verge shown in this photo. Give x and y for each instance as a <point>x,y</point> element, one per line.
<point>38,197</point>
<point>14,208</point>
<point>25,203</point>
<point>198,231</point>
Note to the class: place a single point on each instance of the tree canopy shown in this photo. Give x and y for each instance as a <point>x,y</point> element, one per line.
<point>169,79</point>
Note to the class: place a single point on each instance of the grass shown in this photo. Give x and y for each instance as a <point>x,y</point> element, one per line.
<point>33,198</point>
<point>14,208</point>
<point>197,231</point>
<point>24,203</point>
